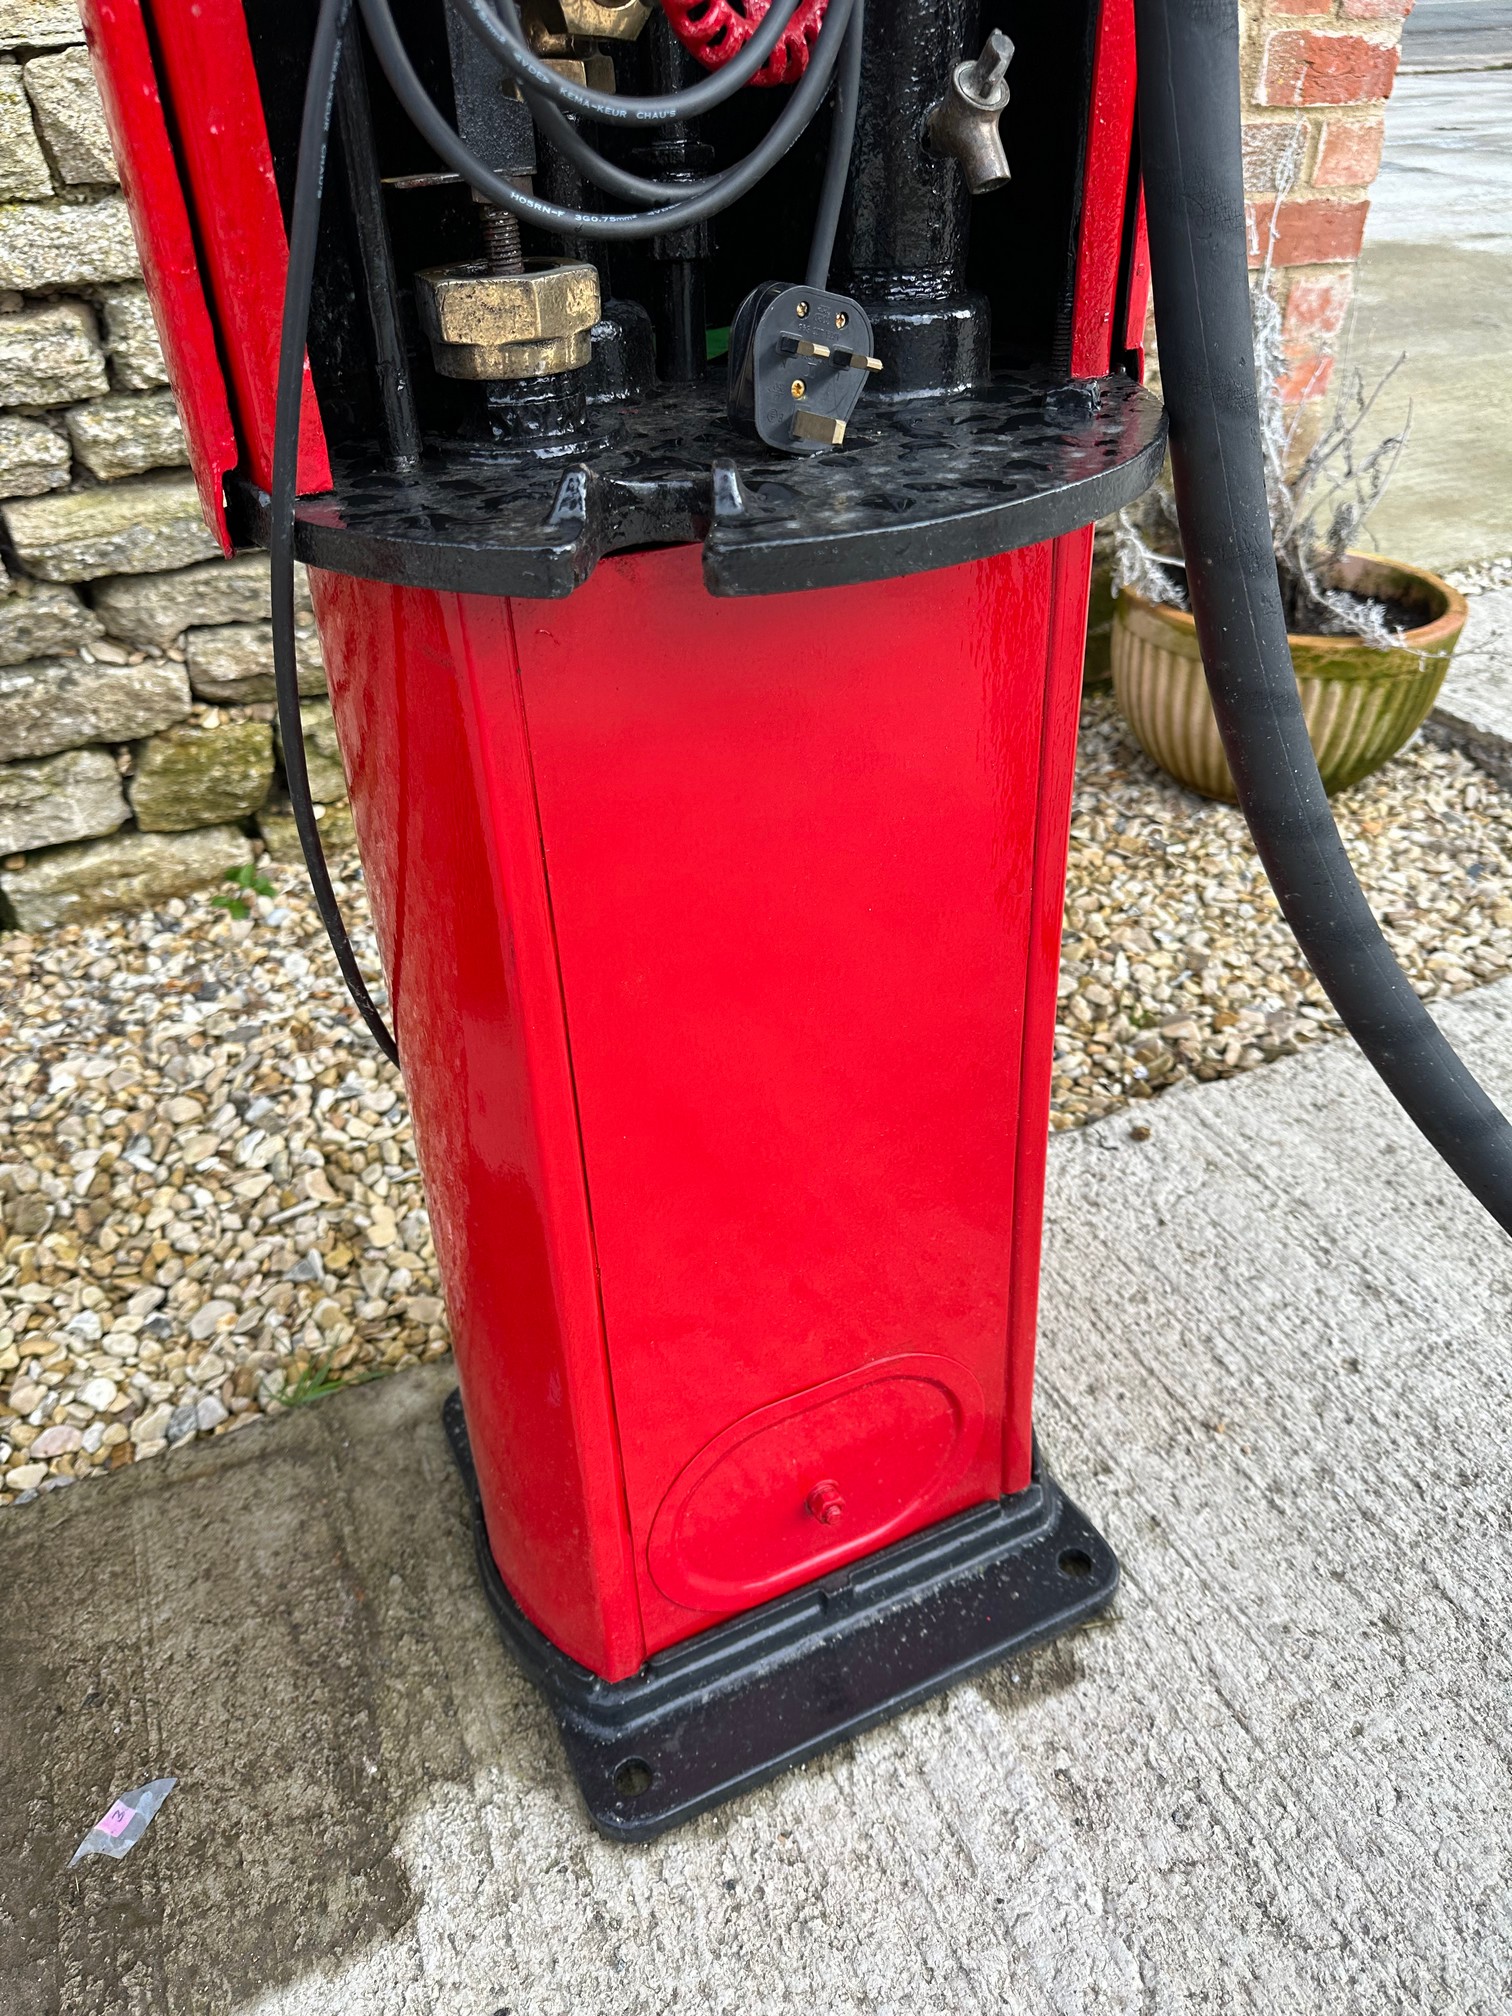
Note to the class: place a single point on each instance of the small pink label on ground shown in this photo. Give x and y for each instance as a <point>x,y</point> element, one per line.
<point>117,1820</point>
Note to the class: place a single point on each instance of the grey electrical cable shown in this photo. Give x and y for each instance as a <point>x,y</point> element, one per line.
<point>557,128</point>
<point>502,33</point>
<point>610,226</point>
<point>304,230</point>
<point>563,134</point>
<point>560,131</point>
<point>842,143</point>
<point>569,142</point>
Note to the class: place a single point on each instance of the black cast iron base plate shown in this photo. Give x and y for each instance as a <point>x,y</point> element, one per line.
<point>737,1704</point>
<point>918,484</point>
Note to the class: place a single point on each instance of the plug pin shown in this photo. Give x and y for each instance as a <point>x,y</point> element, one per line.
<point>811,426</point>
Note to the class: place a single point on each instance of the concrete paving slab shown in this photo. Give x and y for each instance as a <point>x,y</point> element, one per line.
<point>1445,175</point>
<point>1435,281</point>
<point>1278,1779</point>
<point>1457,35</point>
<point>1475,704</point>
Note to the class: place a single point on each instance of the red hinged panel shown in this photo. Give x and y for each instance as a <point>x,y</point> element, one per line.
<point>1137,306</point>
<point>223,142</point>
<point>117,38</point>
<point>1105,188</point>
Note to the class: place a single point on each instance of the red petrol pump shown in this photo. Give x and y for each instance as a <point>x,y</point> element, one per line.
<point>709,723</point>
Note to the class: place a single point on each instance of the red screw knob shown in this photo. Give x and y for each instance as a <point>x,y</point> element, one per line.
<point>826,1502</point>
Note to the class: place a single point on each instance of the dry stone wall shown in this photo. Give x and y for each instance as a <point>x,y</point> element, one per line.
<point>137,754</point>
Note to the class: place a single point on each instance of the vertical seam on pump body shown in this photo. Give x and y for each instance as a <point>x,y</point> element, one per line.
<point>1012,1344</point>
<point>1021,1256</point>
<point>577,1116</point>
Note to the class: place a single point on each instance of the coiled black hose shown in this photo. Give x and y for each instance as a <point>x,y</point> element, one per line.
<point>1189,123</point>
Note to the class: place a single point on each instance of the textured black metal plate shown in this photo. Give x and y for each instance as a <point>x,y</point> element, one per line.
<point>918,484</point>
<point>739,1703</point>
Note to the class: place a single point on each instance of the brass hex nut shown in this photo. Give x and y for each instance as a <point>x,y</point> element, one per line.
<point>550,297</point>
<point>529,324</point>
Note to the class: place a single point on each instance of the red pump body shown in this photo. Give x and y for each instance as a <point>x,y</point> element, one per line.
<point>722,942</point>
<point>729,1051</point>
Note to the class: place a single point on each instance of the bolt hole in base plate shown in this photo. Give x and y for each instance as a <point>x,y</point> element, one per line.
<point>737,1704</point>
<point>633,1778</point>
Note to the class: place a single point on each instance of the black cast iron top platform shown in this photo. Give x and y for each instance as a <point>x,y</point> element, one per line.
<point>919,484</point>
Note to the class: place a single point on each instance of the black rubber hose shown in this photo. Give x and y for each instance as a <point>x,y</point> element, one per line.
<point>304,228</point>
<point>1189,125</point>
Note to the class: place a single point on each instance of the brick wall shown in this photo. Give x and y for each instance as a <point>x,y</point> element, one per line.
<point>1317,74</point>
<point>137,748</point>
<point>1316,77</point>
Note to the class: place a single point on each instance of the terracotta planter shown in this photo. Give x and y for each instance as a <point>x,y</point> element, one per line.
<point>1361,705</point>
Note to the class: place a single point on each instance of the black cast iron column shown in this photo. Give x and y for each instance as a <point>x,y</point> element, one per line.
<point>903,236</point>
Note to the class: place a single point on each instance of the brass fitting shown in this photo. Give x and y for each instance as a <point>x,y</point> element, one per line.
<point>530,324</point>
<point>593,70</point>
<point>589,20</point>
<point>606,20</point>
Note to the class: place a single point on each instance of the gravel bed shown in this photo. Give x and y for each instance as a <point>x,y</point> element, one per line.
<point>1176,962</point>
<point>1478,575</point>
<point>208,1185</point>
<point>211,1208</point>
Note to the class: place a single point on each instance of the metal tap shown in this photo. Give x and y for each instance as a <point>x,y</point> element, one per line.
<point>964,123</point>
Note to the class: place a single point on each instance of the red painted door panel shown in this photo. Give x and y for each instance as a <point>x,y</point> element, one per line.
<point>790,848</point>
<point>208,72</point>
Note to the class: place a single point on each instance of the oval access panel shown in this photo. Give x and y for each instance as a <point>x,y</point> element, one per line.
<point>796,1488</point>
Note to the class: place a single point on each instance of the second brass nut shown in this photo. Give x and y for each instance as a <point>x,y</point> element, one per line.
<point>593,71</point>
<point>531,324</point>
<point>614,20</point>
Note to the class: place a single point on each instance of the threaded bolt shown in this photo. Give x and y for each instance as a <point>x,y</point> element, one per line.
<point>501,240</point>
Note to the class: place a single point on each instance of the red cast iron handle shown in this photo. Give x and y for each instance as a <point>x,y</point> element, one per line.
<point>713,30</point>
